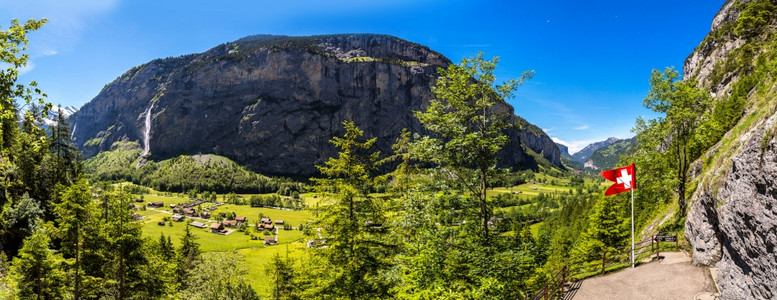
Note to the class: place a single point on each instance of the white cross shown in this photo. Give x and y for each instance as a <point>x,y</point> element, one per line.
<point>625,179</point>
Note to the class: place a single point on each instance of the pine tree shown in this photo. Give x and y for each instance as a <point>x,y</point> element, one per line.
<point>359,247</point>
<point>35,272</point>
<point>188,254</point>
<point>65,154</point>
<point>73,213</point>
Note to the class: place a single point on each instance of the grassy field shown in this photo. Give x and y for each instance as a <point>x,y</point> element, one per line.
<point>257,255</point>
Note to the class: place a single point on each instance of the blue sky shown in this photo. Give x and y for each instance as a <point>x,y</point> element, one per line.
<point>592,58</point>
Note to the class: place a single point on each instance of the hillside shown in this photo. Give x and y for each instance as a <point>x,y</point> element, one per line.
<point>271,103</point>
<point>183,173</point>
<point>607,157</point>
<point>732,219</point>
<point>583,155</point>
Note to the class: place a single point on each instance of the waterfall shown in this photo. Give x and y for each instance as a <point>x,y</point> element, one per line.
<point>73,132</point>
<point>146,137</point>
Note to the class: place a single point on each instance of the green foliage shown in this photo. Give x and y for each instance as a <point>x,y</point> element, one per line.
<point>282,274</point>
<point>35,272</point>
<point>470,131</point>
<point>754,17</point>
<point>183,173</point>
<point>218,276</point>
<point>607,228</point>
<point>359,248</point>
<point>13,44</point>
<point>607,158</point>
<point>683,104</point>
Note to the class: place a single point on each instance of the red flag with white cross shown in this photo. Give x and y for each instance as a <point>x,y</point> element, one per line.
<point>625,179</point>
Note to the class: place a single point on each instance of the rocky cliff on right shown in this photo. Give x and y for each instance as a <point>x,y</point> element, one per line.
<point>732,221</point>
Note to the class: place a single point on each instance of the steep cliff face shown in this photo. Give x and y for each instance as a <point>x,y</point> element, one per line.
<point>272,103</point>
<point>732,222</point>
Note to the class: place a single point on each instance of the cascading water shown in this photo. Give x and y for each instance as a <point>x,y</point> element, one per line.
<point>73,132</point>
<point>146,138</point>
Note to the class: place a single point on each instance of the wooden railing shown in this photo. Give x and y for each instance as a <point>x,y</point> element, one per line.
<point>589,265</point>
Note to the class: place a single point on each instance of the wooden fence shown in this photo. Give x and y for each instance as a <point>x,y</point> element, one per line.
<point>600,263</point>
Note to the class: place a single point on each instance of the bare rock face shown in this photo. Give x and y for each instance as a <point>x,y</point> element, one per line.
<point>700,64</point>
<point>733,221</point>
<point>272,103</point>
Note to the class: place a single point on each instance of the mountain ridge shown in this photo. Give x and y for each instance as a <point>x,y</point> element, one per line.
<point>271,103</point>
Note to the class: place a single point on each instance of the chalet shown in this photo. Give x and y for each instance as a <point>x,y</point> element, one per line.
<point>270,241</point>
<point>278,222</point>
<point>161,223</point>
<point>172,205</point>
<point>189,211</point>
<point>205,215</point>
<point>223,215</point>
<point>137,200</point>
<point>240,219</point>
<point>198,224</point>
<point>267,226</point>
<point>216,228</point>
<point>156,204</point>
<point>266,221</point>
<point>136,216</point>
<point>230,223</point>
<point>178,210</point>
<point>177,218</point>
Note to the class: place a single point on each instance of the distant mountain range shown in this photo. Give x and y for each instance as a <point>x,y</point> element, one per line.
<point>598,155</point>
<point>51,118</point>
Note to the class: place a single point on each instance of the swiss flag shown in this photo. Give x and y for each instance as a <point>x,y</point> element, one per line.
<point>625,179</point>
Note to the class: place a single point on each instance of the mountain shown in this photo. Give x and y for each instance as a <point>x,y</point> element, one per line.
<point>272,103</point>
<point>568,159</point>
<point>607,157</point>
<point>732,221</point>
<point>51,118</point>
<point>583,155</point>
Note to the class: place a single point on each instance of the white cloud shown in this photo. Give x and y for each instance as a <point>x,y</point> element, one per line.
<point>583,127</point>
<point>49,52</point>
<point>574,146</point>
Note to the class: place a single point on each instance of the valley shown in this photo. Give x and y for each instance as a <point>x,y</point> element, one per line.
<point>390,166</point>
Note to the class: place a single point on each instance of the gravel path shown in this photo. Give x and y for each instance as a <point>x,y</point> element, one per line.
<point>673,277</point>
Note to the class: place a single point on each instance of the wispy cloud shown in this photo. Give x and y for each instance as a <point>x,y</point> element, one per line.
<point>67,20</point>
<point>582,127</point>
<point>66,23</point>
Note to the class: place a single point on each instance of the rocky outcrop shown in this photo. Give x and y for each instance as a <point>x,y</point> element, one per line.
<point>272,103</point>
<point>714,50</point>
<point>732,223</point>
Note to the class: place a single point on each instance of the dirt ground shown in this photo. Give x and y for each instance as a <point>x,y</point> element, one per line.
<point>672,277</point>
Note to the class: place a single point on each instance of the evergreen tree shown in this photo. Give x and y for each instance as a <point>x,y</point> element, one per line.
<point>125,247</point>
<point>188,254</point>
<point>35,272</point>
<point>359,248</point>
<point>65,155</point>
<point>282,275</point>
<point>73,213</point>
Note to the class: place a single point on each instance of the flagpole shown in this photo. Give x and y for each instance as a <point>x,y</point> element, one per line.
<point>632,226</point>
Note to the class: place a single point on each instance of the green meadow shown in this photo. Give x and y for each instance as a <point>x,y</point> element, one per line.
<point>257,255</point>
